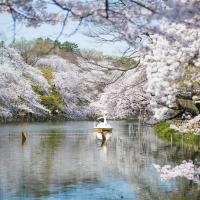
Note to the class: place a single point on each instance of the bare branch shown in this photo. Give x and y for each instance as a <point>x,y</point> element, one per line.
<point>59,35</point>
<point>63,26</point>
<point>14,27</point>
<point>122,2</point>
<point>17,13</point>
<point>144,6</point>
<point>62,7</point>
<point>116,79</point>
<point>77,28</point>
<point>107,8</point>
<point>109,68</point>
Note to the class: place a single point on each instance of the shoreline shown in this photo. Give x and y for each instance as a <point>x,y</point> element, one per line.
<point>163,131</point>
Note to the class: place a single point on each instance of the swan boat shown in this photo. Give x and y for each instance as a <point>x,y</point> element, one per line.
<point>103,129</point>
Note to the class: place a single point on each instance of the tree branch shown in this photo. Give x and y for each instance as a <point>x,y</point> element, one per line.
<point>109,68</point>
<point>107,8</point>
<point>142,5</point>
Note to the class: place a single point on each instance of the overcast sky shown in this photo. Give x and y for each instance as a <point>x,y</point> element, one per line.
<point>84,42</point>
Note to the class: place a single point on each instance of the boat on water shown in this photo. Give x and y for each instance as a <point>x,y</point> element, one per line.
<point>103,129</point>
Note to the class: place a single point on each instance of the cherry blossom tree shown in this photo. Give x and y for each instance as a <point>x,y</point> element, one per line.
<point>126,96</point>
<point>80,84</point>
<point>165,35</point>
<point>16,79</point>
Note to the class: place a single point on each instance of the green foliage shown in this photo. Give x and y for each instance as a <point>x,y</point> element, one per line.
<point>68,46</point>
<point>47,73</point>
<point>52,101</point>
<point>164,131</point>
<point>124,62</point>
<point>120,62</point>
<point>31,50</point>
<point>37,89</point>
<point>43,46</point>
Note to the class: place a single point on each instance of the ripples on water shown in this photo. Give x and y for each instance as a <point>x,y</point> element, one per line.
<point>64,161</point>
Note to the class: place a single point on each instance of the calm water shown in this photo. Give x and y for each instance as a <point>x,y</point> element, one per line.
<point>64,161</point>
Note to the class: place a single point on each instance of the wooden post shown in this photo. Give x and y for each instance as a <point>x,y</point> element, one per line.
<point>24,137</point>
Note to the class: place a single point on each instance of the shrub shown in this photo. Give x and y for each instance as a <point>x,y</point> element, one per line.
<point>47,73</point>
<point>37,89</point>
<point>53,102</point>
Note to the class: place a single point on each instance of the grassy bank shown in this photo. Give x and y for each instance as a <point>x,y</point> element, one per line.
<point>164,131</point>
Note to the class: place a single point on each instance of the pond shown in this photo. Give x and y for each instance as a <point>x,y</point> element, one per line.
<point>63,160</point>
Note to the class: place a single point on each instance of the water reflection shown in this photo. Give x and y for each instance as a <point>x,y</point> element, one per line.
<point>24,136</point>
<point>64,161</point>
<point>186,169</point>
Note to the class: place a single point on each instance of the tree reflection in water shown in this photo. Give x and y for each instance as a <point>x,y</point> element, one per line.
<point>186,169</point>
<point>63,161</point>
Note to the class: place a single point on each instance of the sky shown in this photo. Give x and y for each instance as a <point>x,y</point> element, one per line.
<point>84,42</point>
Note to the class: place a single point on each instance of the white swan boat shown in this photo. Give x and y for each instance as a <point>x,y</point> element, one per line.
<point>103,129</point>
